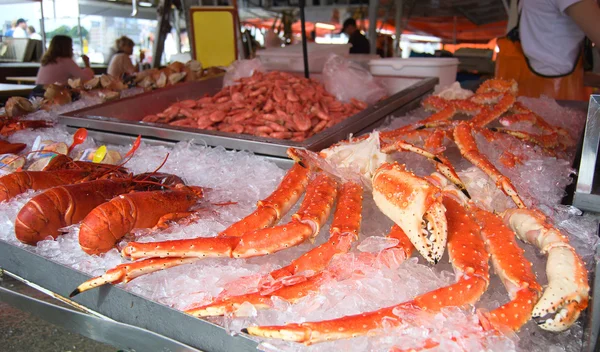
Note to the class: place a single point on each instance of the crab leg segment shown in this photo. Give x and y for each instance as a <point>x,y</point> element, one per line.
<point>271,209</point>
<point>306,223</point>
<point>343,230</point>
<point>463,137</point>
<point>415,205</point>
<point>488,115</point>
<point>544,140</point>
<point>313,212</point>
<point>469,258</point>
<point>127,272</point>
<point>568,289</point>
<point>291,293</point>
<point>442,165</point>
<point>513,269</point>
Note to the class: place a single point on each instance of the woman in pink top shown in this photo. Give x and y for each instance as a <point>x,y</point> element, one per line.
<point>120,64</point>
<point>58,65</point>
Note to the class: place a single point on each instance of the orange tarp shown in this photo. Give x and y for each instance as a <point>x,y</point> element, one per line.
<point>442,27</point>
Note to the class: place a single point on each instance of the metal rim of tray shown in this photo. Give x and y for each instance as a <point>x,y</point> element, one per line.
<point>366,119</point>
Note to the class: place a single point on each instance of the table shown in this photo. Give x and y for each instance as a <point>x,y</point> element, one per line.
<point>9,90</point>
<point>21,79</point>
<point>26,79</point>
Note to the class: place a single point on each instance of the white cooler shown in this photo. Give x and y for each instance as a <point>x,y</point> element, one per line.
<point>444,68</point>
<point>289,58</point>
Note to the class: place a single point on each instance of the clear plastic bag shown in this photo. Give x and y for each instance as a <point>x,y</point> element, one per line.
<point>346,80</point>
<point>240,69</point>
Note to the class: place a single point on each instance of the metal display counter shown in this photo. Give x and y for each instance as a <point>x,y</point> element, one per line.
<point>124,117</point>
<point>120,318</point>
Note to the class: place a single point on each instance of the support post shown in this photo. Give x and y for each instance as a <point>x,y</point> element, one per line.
<point>373,7</point>
<point>177,23</point>
<point>304,45</point>
<point>43,28</point>
<point>163,28</point>
<point>185,9</point>
<point>399,26</point>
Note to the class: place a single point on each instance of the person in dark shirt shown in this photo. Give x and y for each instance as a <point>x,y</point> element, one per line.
<point>360,44</point>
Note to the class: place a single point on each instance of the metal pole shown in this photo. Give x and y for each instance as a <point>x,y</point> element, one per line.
<point>176,19</point>
<point>43,28</point>
<point>79,32</point>
<point>398,22</point>
<point>304,45</point>
<point>454,30</point>
<point>373,7</point>
<point>163,28</point>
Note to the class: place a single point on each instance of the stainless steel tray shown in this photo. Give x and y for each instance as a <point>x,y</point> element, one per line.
<point>123,117</point>
<point>147,321</point>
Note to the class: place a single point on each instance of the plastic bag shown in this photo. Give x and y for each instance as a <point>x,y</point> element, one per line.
<point>241,69</point>
<point>346,80</point>
<point>454,91</point>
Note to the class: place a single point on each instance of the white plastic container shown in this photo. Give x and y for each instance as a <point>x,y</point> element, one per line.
<point>362,59</point>
<point>444,68</point>
<point>289,58</point>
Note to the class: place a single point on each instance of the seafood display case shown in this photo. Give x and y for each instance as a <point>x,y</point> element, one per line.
<point>123,117</point>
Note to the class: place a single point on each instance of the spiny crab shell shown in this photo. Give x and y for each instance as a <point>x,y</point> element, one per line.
<point>415,205</point>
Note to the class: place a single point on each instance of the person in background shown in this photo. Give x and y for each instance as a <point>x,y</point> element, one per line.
<point>360,44</point>
<point>32,34</point>
<point>543,53</point>
<point>120,64</point>
<point>21,29</point>
<point>11,30</point>
<point>58,65</point>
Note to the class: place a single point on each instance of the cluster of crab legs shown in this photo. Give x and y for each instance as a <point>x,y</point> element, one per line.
<point>429,213</point>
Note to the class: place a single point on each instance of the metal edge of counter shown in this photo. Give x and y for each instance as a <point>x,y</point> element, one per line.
<point>121,305</point>
<point>103,330</point>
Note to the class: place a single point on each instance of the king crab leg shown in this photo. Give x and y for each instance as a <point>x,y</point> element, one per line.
<point>463,137</point>
<point>566,295</point>
<point>306,223</point>
<point>568,289</point>
<point>292,291</point>
<point>289,283</point>
<point>468,247</point>
<point>268,212</point>
<point>467,255</point>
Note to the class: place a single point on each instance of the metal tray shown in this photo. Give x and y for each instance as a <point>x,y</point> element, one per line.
<point>130,322</point>
<point>124,116</point>
<point>149,323</point>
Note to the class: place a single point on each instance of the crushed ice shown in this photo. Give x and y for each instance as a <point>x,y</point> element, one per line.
<point>372,276</point>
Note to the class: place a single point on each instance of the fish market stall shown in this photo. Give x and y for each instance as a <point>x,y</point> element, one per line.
<point>369,271</point>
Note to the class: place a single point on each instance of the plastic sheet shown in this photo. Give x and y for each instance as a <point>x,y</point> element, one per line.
<point>346,80</point>
<point>240,69</point>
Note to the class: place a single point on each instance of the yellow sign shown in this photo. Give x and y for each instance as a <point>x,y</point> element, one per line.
<point>215,34</point>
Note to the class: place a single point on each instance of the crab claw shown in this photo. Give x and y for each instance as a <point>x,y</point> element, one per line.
<point>567,292</point>
<point>415,205</point>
